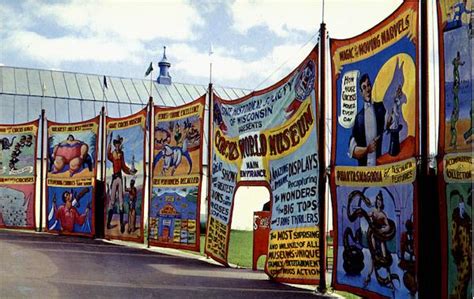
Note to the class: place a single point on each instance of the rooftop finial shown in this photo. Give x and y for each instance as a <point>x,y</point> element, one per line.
<point>164,77</point>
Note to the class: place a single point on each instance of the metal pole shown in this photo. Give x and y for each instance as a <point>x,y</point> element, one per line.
<point>209,148</point>
<point>211,51</point>
<point>322,161</point>
<point>150,164</point>
<point>104,143</point>
<point>151,85</point>
<point>41,170</point>
<point>428,272</point>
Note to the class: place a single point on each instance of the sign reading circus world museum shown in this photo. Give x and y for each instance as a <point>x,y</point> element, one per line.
<point>269,139</point>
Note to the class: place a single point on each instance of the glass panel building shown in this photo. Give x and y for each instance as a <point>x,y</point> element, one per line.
<point>73,97</point>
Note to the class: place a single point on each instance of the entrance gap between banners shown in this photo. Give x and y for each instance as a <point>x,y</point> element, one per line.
<point>248,200</point>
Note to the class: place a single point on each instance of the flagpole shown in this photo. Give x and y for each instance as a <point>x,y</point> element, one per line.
<point>210,65</point>
<point>209,139</point>
<point>104,85</point>
<point>151,84</point>
<point>210,71</point>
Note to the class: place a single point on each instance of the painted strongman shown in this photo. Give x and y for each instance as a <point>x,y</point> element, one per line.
<point>116,189</point>
<point>70,152</point>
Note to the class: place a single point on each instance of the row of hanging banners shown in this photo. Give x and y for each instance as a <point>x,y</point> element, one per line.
<point>175,172</point>
<point>72,151</point>
<point>269,138</point>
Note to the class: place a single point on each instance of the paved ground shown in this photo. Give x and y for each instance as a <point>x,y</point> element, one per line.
<point>38,265</point>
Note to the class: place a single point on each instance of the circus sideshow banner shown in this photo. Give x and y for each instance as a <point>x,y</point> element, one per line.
<point>125,172</point>
<point>18,175</point>
<point>71,171</point>
<point>269,138</point>
<point>375,141</point>
<point>456,44</point>
<point>177,167</point>
<point>375,251</point>
<point>455,187</point>
<point>456,40</point>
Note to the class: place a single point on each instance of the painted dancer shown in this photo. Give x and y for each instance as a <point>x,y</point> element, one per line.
<point>381,231</point>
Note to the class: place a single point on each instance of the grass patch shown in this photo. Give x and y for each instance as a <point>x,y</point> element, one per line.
<point>240,249</point>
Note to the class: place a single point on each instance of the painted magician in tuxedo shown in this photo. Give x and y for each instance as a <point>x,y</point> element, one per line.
<point>365,144</point>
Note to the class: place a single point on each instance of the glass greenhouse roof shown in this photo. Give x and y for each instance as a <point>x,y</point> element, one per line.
<point>72,97</point>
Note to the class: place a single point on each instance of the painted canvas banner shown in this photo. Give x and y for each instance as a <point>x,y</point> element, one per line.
<point>374,137</point>
<point>72,166</point>
<point>18,175</point>
<point>455,185</point>
<point>125,173</point>
<point>177,168</point>
<point>269,138</point>
<point>456,36</point>
<point>455,170</point>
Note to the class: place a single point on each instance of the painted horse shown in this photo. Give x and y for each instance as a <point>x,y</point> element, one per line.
<point>172,155</point>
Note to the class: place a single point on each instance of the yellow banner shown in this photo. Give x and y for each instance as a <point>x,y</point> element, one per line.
<point>174,181</point>
<point>216,238</point>
<point>458,168</point>
<point>18,129</point>
<point>294,253</point>
<point>89,126</point>
<point>403,25</point>
<point>70,183</point>
<point>272,144</point>
<point>178,114</point>
<point>17,180</point>
<point>402,172</point>
<point>126,123</point>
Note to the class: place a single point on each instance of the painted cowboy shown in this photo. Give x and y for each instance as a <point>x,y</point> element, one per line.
<point>117,157</point>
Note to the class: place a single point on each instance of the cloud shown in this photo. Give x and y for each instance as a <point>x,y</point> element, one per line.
<point>234,71</point>
<point>55,51</point>
<point>142,20</point>
<point>284,17</point>
<point>105,31</point>
<point>244,49</point>
<point>279,17</point>
<point>12,19</point>
<point>344,20</point>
